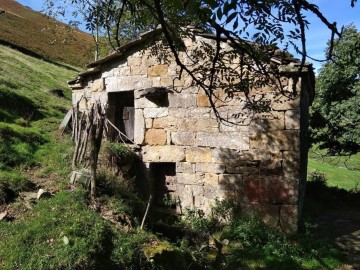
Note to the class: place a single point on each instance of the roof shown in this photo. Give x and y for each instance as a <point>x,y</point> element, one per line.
<point>284,61</point>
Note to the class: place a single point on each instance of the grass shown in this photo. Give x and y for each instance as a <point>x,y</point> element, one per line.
<point>29,116</point>
<point>42,36</point>
<point>336,170</point>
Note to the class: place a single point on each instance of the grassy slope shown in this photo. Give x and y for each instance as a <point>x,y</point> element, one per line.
<point>336,170</point>
<point>46,37</point>
<point>29,116</point>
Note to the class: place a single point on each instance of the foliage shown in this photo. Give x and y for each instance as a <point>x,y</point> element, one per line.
<point>119,150</point>
<point>254,244</point>
<point>336,113</point>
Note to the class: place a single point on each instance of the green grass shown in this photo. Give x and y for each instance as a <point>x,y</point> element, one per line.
<point>337,170</point>
<point>29,117</point>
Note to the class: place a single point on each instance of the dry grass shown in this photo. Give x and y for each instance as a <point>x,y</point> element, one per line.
<point>45,37</point>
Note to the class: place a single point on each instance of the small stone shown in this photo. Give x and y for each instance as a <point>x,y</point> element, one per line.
<point>42,193</point>
<point>3,215</point>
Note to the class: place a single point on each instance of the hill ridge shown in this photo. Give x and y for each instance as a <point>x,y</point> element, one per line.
<point>33,31</point>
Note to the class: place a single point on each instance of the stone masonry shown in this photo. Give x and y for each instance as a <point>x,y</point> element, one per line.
<point>258,161</point>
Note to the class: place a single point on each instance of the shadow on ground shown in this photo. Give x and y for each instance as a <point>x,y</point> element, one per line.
<point>336,215</point>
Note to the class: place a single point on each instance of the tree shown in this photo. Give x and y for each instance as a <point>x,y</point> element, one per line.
<point>335,118</point>
<point>268,24</point>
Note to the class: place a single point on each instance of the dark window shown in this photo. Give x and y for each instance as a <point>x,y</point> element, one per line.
<point>164,183</point>
<point>121,113</point>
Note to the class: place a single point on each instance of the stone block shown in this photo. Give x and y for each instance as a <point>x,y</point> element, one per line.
<point>221,154</point>
<point>124,71</point>
<point>264,125</point>
<point>182,100</point>
<point>195,125</point>
<point>231,186</point>
<point>291,164</point>
<point>138,70</point>
<point>210,167</point>
<point>229,140</point>
<point>134,61</point>
<point>155,137</point>
<point>166,153</point>
<point>211,179</point>
<point>156,82</point>
<point>155,112</point>
<point>282,102</point>
<point>98,85</point>
<point>212,192</point>
<point>229,168</point>
<point>227,127</point>
<point>139,127</point>
<point>282,192</point>
<point>289,218</point>
<point>166,81</point>
<point>199,113</point>
<point>148,123</point>
<point>143,102</point>
<point>292,119</point>
<point>203,101</point>
<point>190,178</point>
<point>127,83</point>
<point>185,167</point>
<point>271,167</point>
<point>158,70</point>
<point>198,154</point>
<point>276,140</point>
<point>255,189</point>
<point>165,122</point>
<point>268,213</point>
<point>182,138</point>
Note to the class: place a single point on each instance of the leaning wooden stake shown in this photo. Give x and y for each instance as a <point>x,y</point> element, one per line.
<point>146,212</point>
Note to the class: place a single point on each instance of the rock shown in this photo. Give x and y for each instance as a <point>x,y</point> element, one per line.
<point>3,215</point>
<point>42,193</point>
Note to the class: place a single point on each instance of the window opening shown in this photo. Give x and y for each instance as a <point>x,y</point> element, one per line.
<point>164,183</point>
<point>121,112</point>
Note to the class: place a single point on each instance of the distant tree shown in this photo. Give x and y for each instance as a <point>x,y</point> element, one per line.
<point>335,120</point>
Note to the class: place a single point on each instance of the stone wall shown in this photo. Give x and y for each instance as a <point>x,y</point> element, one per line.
<point>255,161</point>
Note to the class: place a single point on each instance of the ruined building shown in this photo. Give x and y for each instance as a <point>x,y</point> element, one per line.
<point>257,157</point>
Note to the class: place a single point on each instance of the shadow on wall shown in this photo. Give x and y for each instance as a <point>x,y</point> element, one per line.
<point>264,180</point>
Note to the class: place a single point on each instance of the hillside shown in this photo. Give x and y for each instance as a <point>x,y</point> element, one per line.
<point>33,99</point>
<point>48,38</point>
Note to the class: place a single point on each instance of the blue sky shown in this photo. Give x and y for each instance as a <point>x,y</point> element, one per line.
<point>317,34</point>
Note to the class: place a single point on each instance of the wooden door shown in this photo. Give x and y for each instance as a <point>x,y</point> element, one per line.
<point>128,117</point>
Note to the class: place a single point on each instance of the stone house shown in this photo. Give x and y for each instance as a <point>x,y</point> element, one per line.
<point>258,159</point>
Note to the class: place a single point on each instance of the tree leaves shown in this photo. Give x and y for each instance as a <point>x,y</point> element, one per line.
<point>336,112</point>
